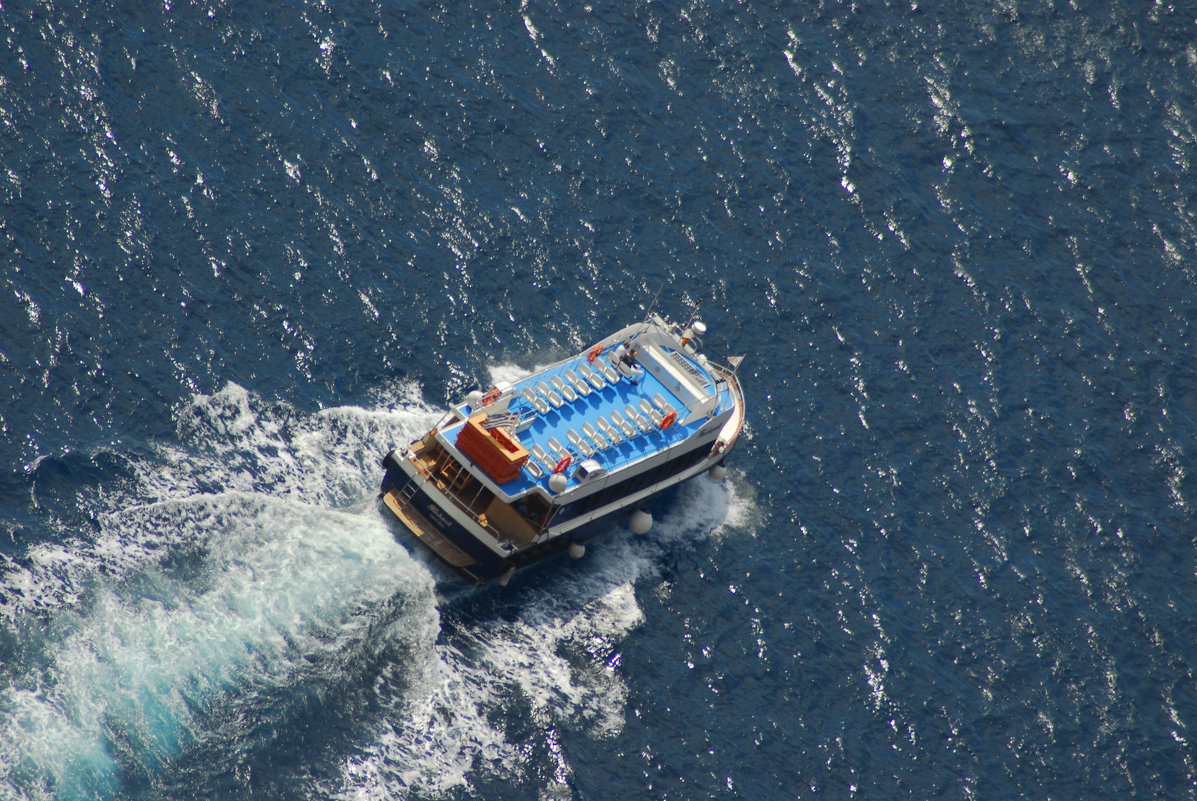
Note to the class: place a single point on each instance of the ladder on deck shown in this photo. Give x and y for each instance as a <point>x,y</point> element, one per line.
<point>409,490</point>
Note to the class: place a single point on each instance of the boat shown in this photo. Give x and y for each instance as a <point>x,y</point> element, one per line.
<point>542,465</point>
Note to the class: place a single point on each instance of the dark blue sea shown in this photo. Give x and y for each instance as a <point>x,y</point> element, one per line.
<point>247,247</point>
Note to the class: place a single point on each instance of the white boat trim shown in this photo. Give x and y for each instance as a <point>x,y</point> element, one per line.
<point>493,486</point>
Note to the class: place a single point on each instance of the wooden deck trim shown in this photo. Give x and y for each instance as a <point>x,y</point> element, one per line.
<point>428,533</point>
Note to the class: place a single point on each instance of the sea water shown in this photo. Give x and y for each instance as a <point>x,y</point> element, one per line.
<point>247,248</point>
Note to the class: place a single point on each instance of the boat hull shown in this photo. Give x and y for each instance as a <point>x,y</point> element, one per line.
<point>492,488</point>
<point>464,548</point>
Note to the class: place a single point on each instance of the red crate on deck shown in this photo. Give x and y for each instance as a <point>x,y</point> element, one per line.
<point>499,454</point>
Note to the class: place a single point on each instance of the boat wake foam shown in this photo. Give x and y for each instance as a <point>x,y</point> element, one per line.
<point>248,561</point>
<point>225,568</point>
<point>558,661</point>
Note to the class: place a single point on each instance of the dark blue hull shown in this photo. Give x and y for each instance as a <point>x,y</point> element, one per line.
<point>486,564</point>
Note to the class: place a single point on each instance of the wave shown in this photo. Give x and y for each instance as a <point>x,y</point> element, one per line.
<point>551,651</point>
<point>253,590</point>
<point>226,568</point>
<point>242,583</point>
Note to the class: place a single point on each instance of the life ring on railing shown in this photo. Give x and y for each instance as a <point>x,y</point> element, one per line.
<point>562,465</point>
<point>491,397</point>
<point>595,352</point>
<point>668,420</point>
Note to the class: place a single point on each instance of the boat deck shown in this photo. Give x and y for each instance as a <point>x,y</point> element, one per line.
<point>590,418</point>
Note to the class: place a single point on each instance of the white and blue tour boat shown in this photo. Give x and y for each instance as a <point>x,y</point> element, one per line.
<point>539,466</point>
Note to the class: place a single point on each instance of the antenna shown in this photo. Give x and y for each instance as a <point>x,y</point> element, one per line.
<point>652,306</point>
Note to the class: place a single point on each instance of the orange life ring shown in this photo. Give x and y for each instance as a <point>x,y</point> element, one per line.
<point>595,352</point>
<point>668,420</point>
<point>562,465</point>
<point>491,397</point>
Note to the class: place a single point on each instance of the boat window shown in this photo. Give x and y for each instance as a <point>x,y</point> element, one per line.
<point>630,485</point>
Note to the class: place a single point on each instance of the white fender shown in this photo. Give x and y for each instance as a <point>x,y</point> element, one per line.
<point>576,550</point>
<point>640,521</point>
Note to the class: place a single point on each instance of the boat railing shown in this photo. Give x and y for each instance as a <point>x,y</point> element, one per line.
<point>573,360</point>
<point>451,486</point>
<point>727,376</point>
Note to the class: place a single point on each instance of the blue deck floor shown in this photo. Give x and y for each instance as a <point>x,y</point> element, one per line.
<point>557,422</point>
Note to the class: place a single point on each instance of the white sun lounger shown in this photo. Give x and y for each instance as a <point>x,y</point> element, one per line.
<point>584,447</point>
<point>640,420</point>
<point>566,390</point>
<point>542,457</point>
<point>594,378</point>
<point>609,431</point>
<point>536,401</point>
<point>598,439</point>
<point>581,386</point>
<point>557,448</point>
<point>649,411</point>
<point>623,425</point>
<point>551,396</point>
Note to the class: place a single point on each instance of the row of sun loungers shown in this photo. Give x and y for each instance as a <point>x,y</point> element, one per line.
<point>612,430</point>
<point>567,387</point>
